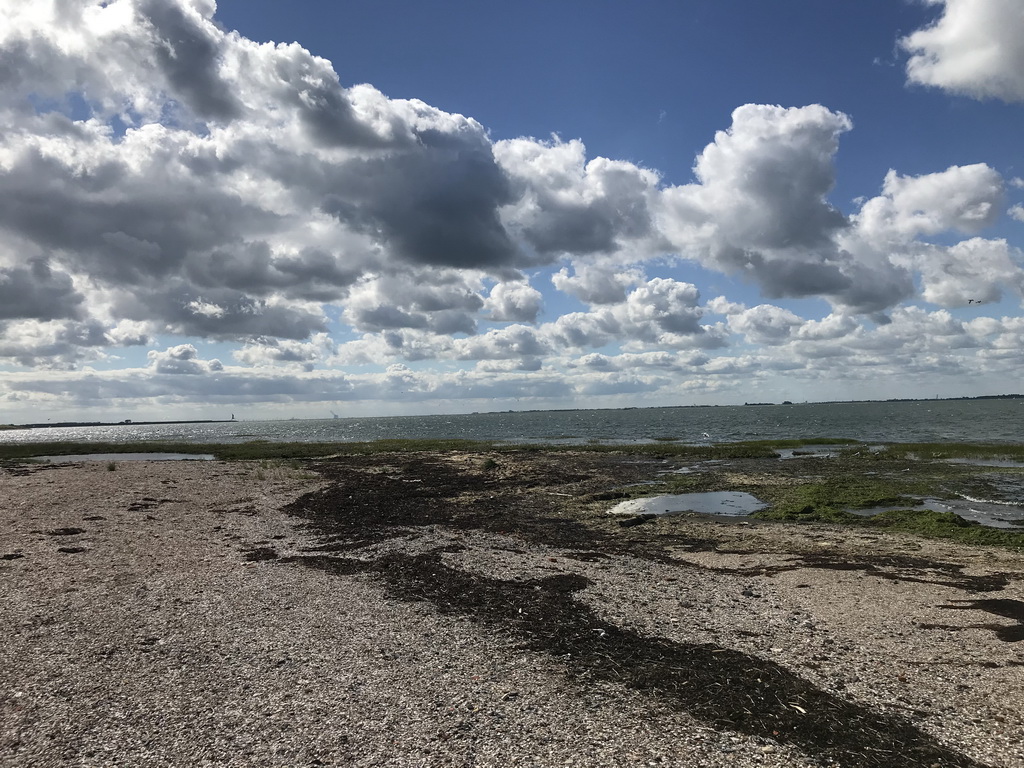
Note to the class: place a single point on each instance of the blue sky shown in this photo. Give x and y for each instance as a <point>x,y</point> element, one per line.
<point>526,205</point>
<point>652,82</point>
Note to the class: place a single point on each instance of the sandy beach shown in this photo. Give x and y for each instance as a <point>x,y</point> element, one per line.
<point>456,610</point>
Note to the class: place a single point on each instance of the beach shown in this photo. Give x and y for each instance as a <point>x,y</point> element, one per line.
<point>461,609</point>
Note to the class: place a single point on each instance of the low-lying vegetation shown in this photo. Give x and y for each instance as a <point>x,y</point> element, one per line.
<point>939,451</point>
<point>810,489</point>
<point>265,449</point>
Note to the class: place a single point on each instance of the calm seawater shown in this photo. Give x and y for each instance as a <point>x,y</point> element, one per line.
<point>989,421</point>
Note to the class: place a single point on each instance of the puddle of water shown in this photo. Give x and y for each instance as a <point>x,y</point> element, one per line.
<point>126,457</point>
<point>1007,487</point>
<point>730,503</point>
<point>701,466</point>
<point>996,514</point>
<point>988,462</point>
<point>809,452</point>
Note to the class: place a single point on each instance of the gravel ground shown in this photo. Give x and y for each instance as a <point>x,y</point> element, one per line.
<point>189,614</point>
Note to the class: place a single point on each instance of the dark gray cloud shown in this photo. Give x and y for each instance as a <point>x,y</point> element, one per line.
<point>190,58</point>
<point>874,286</point>
<point>436,203</point>
<point>222,314</point>
<point>311,274</point>
<point>801,277</point>
<point>122,226</point>
<point>564,205</point>
<point>38,292</point>
<point>439,301</point>
<point>325,108</point>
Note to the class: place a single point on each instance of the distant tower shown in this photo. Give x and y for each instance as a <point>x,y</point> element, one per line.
<point>335,415</point>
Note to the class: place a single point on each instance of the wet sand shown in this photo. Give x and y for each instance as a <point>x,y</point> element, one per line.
<point>436,610</point>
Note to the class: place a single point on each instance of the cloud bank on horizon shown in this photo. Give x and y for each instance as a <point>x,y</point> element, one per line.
<point>170,189</point>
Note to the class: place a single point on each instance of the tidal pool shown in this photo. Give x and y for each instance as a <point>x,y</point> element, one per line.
<point>730,503</point>
<point>990,512</point>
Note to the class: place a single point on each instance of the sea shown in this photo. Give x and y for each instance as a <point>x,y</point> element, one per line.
<point>919,421</point>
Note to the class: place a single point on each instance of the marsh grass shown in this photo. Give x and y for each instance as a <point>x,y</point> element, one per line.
<point>825,498</point>
<point>662,446</point>
<point>252,450</point>
<point>922,522</point>
<point>265,449</point>
<point>938,451</point>
<point>282,470</point>
<point>847,487</point>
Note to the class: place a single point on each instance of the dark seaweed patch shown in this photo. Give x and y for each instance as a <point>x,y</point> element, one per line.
<point>1010,609</point>
<point>370,501</point>
<point>723,687</point>
<point>891,567</point>
<point>258,554</point>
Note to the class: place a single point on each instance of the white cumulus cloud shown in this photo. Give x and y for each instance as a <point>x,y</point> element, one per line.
<point>517,302</point>
<point>975,48</point>
<point>964,198</point>
<point>597,283</point>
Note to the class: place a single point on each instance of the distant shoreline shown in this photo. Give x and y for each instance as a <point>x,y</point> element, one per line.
<point>128,423</point>
<point>785,403</point>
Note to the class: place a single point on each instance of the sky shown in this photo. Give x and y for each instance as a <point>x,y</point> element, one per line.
<point>378,207</point>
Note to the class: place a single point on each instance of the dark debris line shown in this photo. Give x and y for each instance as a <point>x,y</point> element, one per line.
<point>722,687</point>
<point>890,567</point>
<point>1009,609</point>
<point>725,688</point>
